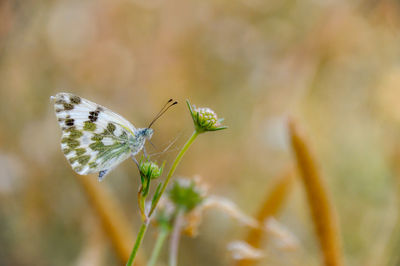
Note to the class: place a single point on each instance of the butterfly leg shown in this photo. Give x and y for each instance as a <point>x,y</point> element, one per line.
<point>136,162</point>
<point>102,174</point>
<point>134,159</point>
<point>145,154</point>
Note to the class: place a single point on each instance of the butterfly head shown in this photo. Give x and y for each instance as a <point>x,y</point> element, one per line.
<point>147,133</point>
<point>144,133</point>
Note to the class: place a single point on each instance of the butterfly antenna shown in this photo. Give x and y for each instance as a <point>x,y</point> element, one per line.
<point>157,115</point>
<point>170,100</point>
<point>162,111</point>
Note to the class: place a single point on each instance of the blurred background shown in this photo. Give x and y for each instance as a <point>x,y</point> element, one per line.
<point>333,65</point>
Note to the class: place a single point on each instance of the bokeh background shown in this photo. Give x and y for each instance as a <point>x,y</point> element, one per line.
<point>333,65</point>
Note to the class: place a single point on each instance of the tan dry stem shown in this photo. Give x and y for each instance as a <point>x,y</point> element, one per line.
<point>271,206</point>
<point>322,210</point>
<point>113,222</point>
<point>391,255</point>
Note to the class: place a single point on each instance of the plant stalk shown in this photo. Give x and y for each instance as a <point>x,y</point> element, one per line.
<point>145,224</point>
<point>163,234</point>
<point>172,170</point>
<point>176,233</point>
<point>138,242</point>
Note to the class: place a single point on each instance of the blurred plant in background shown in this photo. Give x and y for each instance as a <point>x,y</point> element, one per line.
<point>182,211</point>
<point>334,65</point>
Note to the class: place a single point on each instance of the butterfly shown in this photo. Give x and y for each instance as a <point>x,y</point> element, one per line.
<point>94,138</point>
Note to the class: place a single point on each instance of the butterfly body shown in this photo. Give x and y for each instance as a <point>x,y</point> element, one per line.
<point>136,142</point>
<point>95,139</point>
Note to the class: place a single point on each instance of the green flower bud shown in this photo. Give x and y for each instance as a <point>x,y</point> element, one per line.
<point>150,170</point>
<point>184,194</point>
<point>204,119</point>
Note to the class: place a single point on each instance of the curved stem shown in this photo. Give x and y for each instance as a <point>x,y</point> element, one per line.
<point>157,247</point>
<point>138,241</point>
<point>145,224</point>
<point>176,233</point>
<point>172,170</point>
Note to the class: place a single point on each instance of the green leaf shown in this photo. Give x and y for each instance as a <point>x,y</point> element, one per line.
<point>156,195</point>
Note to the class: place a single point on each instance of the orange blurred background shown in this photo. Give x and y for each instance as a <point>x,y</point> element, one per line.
<point>333,65</point>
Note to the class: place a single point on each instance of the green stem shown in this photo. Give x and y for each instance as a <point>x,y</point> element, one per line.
<point>138,241</point>
<point>157,247</point>
<point>145,224</point>
<point>142,202</point>
<point>172,170</point>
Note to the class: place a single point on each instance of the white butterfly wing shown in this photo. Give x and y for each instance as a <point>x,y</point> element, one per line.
<point>94,139</point>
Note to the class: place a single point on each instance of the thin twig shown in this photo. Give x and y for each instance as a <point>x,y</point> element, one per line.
<point>162,235</point>
<point>175,236</point>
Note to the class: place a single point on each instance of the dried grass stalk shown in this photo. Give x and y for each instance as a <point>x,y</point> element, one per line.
<point>391,254</point>
<point>322,210</point>
<point>113,222</point>
<point>271,205</point>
